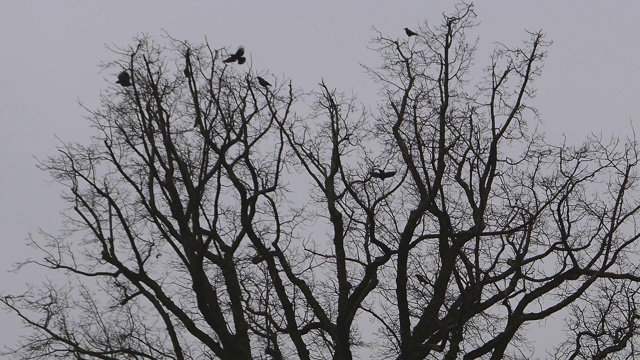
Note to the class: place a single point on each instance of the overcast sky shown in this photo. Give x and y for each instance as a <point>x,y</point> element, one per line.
<point>51,51</point>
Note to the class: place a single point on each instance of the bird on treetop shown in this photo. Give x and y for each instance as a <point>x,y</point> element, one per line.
<point>124,79</point>
<point>186,71</point>
<point>263,82</point>
<point>238,56</point>
<point>409,32</point>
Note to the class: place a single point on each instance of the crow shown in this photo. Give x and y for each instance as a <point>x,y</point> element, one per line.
<point>409,32</point>
<point>187,61</point>
<point>237,56</point>
<point>263,82</point>
<point>124,79</point>
<point>381,174</point>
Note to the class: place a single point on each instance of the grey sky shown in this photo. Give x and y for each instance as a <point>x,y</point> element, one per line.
<point>51,52</point>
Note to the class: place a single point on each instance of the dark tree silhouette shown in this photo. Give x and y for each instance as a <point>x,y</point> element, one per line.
<point>409,32</point>
<point>255,234</point>
<point>124,79</point>
<point>238,56</point>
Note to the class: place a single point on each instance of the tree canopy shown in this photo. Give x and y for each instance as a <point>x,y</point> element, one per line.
<point>218,215</point>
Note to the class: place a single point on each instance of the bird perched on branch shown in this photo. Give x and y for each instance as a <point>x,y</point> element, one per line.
<point>263,82</point>
<point>124,79</point>
<point>381,174</point>
<point>238,56</point>
<point>409,32</point>
<point>187,62</point>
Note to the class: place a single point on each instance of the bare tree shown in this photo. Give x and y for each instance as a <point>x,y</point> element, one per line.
<point>213,217</point>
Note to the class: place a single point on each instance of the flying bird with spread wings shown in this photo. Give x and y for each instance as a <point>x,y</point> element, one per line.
<point>124,79</point>
<point>238,56</point>
<point>381,174</point>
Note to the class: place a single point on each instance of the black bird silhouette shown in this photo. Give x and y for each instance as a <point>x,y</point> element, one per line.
<point>187,61</point>
<point>124,79</point>
<point>238,56</point>
<point>381,174</point>
<point>263,82</point>
<point>409,32</point>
